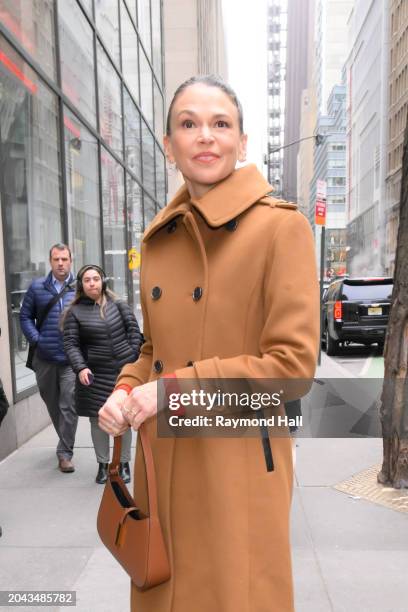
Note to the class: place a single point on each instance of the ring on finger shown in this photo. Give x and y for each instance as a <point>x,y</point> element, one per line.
<point>129,413</point>
<point>126,410</point>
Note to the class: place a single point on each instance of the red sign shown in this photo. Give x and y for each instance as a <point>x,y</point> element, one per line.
<point>320,212</point>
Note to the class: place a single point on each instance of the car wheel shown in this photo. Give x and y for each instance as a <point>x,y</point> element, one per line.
<point>331,345</point>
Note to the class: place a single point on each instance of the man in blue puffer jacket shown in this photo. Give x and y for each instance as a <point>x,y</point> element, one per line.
<point>55,378</point>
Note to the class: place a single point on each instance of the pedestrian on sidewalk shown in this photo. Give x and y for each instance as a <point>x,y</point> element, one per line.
<point>40,315</point>
<point>3,411</point>
<point>229,291</point>
<point>101,335</point>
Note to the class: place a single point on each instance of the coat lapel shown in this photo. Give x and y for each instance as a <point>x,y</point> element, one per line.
<point>243,188</point>
<point>237,193</point>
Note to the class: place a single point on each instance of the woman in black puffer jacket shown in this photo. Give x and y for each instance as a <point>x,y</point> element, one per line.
<point>101,335</point>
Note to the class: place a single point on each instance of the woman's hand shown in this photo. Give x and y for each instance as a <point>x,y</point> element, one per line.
<point>111,418</point>
<point>85,376</point>
<point>140,404</point>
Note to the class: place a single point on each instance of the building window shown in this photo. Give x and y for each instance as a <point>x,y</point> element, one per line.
<point>156,40</point>
<point>336,163</point>
<point>32,24</point>
<point>107,22</point>
<point>76,44</point>
<point>160,177</point>
<point>31,194</point>
<point>146,87</point>
<point>143,22</point>
<point>69,172</point>
<point>336,181</point>
<point>149,208</point>
<point>130,62</point>
<point>131,4</point>
<point>114,224</point>
<point>87,4</point>
<point>133,155</point>
<point>135,231</point>
<point>81,159</point>
<point>158,113</point>
<point>110,107</point>
<point>148,158</point>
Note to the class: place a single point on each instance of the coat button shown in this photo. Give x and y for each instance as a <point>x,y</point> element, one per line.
<point>197,294</point>
<point>232,225</point>
<point>190,364</point>
<point>158,366</point>
<point>156,293</point>
<point>172,226</point>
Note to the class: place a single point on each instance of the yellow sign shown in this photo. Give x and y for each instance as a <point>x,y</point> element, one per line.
<point>133,259</point>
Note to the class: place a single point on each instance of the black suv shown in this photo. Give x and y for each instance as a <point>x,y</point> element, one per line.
<point>356,310</point>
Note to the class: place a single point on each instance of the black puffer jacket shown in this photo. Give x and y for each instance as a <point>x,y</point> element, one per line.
<point>103,345</point>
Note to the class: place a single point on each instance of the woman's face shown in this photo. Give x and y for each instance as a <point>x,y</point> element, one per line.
<point>92,284</point>
<point>205,141</point>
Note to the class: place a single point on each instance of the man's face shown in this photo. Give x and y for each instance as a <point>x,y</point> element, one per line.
<point>60,263</point>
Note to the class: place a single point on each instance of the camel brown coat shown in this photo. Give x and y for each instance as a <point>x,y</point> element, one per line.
<point>225,517</point>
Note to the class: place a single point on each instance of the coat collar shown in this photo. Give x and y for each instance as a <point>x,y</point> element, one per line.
<point>84,299</point>
<point>238,192</point>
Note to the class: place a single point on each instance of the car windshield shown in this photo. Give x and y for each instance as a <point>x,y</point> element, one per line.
<point>367,292</point>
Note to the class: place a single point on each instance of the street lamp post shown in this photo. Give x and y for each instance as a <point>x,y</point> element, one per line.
<point>318,138</point>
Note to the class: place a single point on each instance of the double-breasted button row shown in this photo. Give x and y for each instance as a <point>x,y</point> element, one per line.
<point>197,294</point>
<point>232,225</point>
<point>158,366</point>
<point>156,293</point>
<point>172,226</point>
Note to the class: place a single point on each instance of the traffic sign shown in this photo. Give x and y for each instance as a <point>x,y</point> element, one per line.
<point>320,212</point>
<point>133,259</point>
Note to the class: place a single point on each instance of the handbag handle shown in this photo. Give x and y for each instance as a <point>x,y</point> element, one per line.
<point>149,463</point>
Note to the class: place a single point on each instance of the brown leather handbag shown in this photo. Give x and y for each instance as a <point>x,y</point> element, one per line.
<point>134,539</point>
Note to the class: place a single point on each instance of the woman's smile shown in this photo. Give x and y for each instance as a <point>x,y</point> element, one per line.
<point>206,157</point>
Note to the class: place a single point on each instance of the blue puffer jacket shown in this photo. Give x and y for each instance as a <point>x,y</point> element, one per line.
<point>49,340</point>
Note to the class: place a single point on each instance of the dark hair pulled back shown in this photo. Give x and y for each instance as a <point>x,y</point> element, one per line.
<point>212,80</point>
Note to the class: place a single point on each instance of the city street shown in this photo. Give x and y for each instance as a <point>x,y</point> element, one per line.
<point>347,551</point>
<point>359,360</point>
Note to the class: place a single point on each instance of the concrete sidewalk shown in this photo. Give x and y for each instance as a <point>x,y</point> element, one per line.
<point>48,519</point>
<point>350,555</point>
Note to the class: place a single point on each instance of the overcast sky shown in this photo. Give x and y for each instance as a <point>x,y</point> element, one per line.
<point>245,24</point>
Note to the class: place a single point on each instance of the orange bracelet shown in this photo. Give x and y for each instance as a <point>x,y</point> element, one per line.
<point>125,387</point>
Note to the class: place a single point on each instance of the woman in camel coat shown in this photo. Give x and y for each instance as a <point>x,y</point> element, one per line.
<point>229,290</point>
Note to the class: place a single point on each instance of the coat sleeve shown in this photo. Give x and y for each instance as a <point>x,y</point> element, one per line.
<point>28,316</point>
<point>289,339</point>
<point>72,345</point>
<point>133,332</point>
<point>138,373</point>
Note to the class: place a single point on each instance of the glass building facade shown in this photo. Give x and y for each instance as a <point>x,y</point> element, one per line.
<point>81,157</point>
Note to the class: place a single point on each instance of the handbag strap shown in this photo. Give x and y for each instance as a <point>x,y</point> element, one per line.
<point>149,463</point>
<point>50,304</point>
